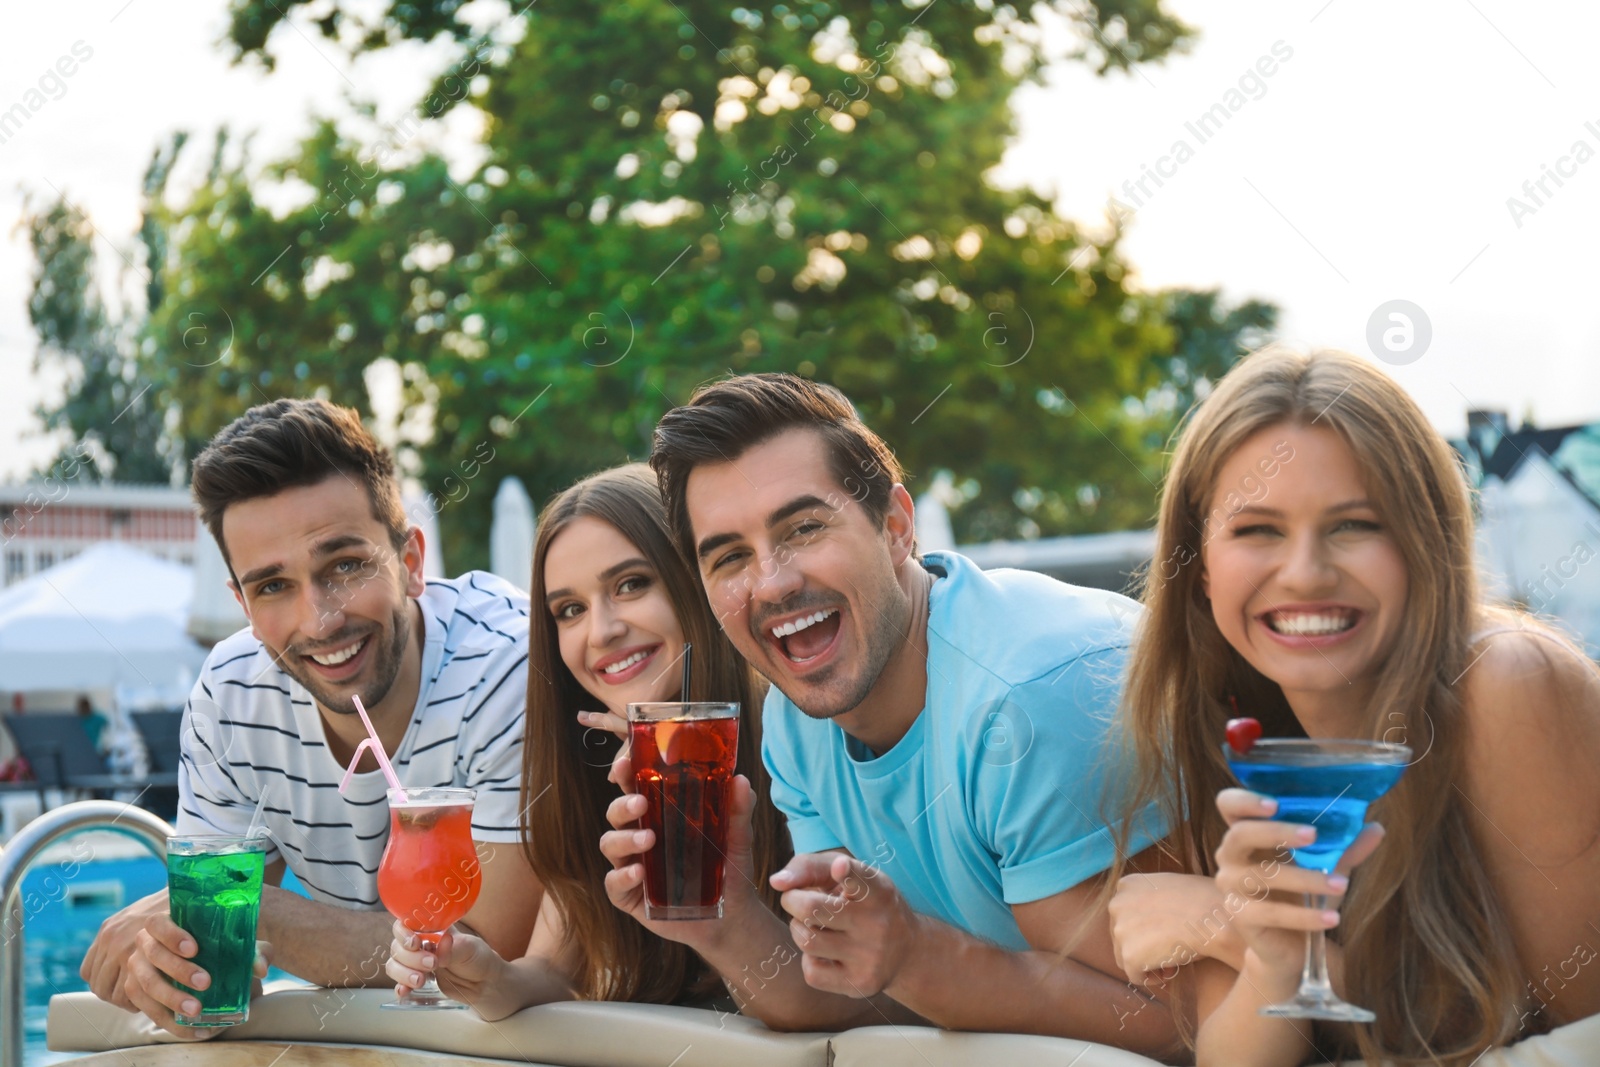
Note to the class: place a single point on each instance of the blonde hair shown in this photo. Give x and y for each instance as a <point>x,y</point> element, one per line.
<point>1424,935</point>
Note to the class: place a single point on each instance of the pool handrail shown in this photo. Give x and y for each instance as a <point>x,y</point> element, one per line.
<point>15,859</point>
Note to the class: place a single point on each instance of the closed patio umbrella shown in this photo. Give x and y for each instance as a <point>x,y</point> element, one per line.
<point>511,536</point>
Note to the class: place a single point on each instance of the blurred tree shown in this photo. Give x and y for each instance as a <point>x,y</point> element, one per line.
<point>112,411</point>
<point>1210,337</point>
<point>675,189</point>
<point>304,299</point>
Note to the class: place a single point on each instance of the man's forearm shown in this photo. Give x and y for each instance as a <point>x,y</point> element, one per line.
<point>321,943</point>
<point>760,964</point>
<point>959,982</point>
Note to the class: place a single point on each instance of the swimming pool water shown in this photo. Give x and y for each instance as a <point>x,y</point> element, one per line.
<point>63,906</point>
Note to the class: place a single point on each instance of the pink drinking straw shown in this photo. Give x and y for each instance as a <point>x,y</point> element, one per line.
<point>371,742</point>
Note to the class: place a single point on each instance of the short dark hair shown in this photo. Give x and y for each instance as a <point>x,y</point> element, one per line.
<point>290,443</point>
<point>725,419</point>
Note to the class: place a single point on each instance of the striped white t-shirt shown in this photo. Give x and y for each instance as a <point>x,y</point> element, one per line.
<point>248,726</point>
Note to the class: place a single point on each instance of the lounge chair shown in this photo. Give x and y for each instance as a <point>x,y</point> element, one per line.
<point>161,732</point>
<point>58,749</point>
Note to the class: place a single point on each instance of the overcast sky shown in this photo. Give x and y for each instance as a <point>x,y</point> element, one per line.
<point>1357,153</point>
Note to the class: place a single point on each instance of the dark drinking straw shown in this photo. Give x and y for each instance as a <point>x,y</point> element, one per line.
<point>687,650</point>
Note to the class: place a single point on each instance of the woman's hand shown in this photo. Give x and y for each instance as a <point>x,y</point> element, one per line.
<point>1162,921</point>
<point>1256,870</point>
<point>621,773</point>
<point>626,844</point>
<point>609,721</point>
<point>465,965</point>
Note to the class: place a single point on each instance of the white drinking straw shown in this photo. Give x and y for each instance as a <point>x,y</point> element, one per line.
<point>255,819</point>
<point>371,742</point>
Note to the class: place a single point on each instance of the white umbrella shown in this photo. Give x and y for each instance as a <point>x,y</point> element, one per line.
<point>511,536</point>
<point>424,515</point>
<point>934,532</point>
<point>110,615</point>
<point>1542,535</point>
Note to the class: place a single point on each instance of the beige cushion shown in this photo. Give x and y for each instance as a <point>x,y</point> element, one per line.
<point>608,1035</point>
<point>921,1046</point>
<point>570,1034</point>
<point>277,1054</point>
<point>1574,1045</point>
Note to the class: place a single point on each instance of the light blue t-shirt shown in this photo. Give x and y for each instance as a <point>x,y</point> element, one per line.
<point>994,797</point>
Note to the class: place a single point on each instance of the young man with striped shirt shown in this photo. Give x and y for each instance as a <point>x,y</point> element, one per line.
<point>304,505</point>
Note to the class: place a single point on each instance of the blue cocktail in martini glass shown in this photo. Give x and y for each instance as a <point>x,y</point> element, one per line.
<point>1327,785</point>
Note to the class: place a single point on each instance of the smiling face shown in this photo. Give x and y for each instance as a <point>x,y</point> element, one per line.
<point>615,623</point>
<point>1306,583</point>
<point>801,577</point>
<point>325,591</point>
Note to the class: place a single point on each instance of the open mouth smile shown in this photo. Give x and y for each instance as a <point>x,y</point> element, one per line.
<point>624,665</point>
<point>807,640</point>
<point>1311,626</point>
<point>340,663</point>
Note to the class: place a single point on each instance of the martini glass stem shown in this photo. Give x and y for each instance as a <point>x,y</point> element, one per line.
<point>1316,998</point>
<point>1314,982</point>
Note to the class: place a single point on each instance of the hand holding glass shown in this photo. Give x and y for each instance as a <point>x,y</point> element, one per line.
<point>429,875</point>
<point>683,762</point>
<point>214,895</point>
<point>1326,785</point>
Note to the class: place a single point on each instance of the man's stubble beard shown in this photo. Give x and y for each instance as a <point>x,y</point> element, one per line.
<point>386,668</point>
<point>887,632</point>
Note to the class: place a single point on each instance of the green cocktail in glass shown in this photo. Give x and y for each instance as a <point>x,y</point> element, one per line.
<point>214,893</point>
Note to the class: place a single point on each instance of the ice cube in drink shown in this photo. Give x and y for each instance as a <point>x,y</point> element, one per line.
<point>214,894</point>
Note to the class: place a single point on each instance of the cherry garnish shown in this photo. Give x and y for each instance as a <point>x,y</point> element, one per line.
<point>1243,734</point>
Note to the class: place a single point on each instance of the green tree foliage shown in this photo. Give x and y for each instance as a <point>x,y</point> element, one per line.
<point>1209,338</point>
<point>675,189</point>
<point>112,410</point>
<point>300,301</point>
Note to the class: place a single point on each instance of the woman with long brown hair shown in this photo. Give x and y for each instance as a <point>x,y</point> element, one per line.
<point>1314,570</point>
<point>620,603</point>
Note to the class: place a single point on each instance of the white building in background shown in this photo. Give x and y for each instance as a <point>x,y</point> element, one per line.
<point>1539,521</point>
<point>43,523</point>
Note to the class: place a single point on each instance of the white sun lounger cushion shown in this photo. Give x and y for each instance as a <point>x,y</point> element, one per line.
<point>569,1035</point>
<point>646,1035</point>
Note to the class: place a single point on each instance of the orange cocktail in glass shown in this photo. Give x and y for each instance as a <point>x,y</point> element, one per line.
<point>429,876</point>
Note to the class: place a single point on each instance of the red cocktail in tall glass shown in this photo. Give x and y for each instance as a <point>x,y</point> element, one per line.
<point>429,876</point>
<point>683,764</point>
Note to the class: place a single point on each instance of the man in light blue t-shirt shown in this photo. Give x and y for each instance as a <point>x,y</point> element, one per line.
<point>936,737</point>
<point>993,796</point>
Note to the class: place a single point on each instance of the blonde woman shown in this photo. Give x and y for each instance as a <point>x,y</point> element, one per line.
<point>1314,570</point>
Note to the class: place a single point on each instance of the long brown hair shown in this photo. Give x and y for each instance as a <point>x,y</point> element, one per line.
<point>564,764</point>
<point>1424,935</point>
